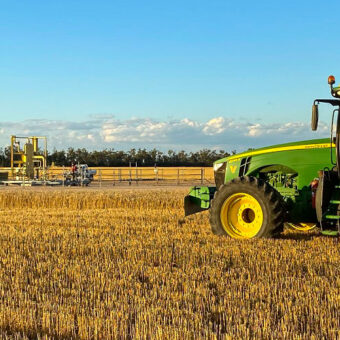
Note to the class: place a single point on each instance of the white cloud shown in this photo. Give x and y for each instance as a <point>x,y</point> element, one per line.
<point>254,130</point>
<point>214,126</point>
<point>104,131</point>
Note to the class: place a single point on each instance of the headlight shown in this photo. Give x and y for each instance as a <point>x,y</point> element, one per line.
<point>218,166</point>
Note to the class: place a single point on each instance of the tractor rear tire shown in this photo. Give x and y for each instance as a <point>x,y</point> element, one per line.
<point>247,207</point>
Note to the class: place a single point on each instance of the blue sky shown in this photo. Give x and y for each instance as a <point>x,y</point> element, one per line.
<point>75,64</point>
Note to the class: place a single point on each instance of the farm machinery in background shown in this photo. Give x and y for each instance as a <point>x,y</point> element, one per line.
<point>79,175</point>
<point>259,191</point>
<point>29,166</point>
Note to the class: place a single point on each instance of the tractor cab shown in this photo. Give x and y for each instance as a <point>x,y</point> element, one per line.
<point>327,200</point>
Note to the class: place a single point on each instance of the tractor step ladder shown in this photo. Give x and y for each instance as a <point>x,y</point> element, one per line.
<point>334,201</point>
<point>332,217</point>
<point>330,232</point>
<point>332,213</point>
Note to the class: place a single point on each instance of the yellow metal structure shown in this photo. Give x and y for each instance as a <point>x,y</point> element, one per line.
<point>241,216</point>
<point>28,161</point>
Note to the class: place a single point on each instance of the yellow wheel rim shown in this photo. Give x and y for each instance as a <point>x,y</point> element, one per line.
<point>241,216</point>
<point>302,226</point>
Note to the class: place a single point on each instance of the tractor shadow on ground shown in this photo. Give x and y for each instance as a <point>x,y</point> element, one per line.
<point>296,236</point>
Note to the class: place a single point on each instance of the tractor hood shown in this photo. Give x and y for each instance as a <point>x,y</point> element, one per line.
<point>305,144</point>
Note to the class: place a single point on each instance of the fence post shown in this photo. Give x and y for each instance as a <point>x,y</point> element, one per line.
<point>136,174</point>
<point>202,175</point>
<point>100,178</point>
<point>177,176</point>
<point>130,176</point>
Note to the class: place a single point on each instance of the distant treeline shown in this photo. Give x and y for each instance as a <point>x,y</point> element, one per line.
<point>111,157</point>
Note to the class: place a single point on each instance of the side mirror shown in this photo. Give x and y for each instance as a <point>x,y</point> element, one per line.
<point>315,117</point>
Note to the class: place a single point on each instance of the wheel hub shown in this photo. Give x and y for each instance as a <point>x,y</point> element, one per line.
<point>241,215</point>
<point>247,214</point>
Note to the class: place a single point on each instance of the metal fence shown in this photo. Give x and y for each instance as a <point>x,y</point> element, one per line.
<point>145,175</point>
<point>141,175</point>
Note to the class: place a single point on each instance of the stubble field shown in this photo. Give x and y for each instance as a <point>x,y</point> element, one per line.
<point>123,264</point>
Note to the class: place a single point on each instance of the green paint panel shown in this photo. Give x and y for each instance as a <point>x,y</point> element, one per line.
<point>306,162</point>
<point>297,144</point>
<point>202,196</point>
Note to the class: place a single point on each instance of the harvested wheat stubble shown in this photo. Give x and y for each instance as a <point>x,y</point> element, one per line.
<point>123,265</point>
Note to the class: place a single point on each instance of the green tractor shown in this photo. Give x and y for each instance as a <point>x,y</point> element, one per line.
<point>259,191</point>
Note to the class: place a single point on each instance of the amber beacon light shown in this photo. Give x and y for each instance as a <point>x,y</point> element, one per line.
<point>331,80</point>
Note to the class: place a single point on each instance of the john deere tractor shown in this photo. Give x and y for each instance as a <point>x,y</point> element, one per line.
<point>257,192</point>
